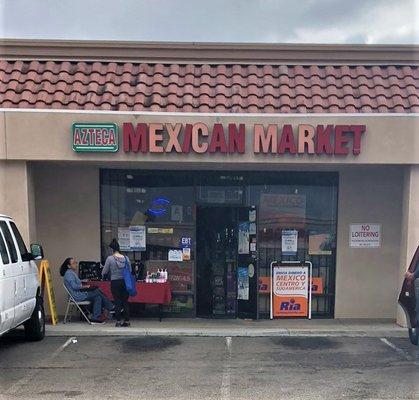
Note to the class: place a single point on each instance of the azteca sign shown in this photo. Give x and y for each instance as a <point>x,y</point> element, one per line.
<point>95,138</point>
<point>218,138</point>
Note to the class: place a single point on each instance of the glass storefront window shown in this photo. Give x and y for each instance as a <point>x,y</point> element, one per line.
<point>311,211</point>
<point>167,213</point>
<point>166,202</point>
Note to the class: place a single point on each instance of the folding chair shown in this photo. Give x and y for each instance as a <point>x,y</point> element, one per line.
<point>78,304</point>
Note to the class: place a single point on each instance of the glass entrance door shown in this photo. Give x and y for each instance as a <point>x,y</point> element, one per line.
<point>216,261</point>
<point>226,262</point>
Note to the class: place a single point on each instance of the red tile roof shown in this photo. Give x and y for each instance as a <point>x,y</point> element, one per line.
<point>209,88</point>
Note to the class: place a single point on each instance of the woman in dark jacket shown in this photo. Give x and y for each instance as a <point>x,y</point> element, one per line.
<point>115,264</point>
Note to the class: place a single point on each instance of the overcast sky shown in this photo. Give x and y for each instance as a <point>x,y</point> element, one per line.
<point>274,21</point>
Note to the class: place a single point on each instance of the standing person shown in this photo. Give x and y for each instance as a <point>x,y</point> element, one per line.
<point>81,292</point>
<point>115,264</point>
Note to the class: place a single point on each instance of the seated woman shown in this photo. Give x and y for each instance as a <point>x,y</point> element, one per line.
<point>81,292</point>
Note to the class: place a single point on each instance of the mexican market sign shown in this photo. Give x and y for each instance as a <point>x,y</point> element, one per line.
<point>185,138</point>
<point>95,138</point>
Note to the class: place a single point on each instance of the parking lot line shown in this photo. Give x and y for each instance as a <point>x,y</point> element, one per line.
<point>226,378</point>
<point>398,349</point>
<point>32,373</point>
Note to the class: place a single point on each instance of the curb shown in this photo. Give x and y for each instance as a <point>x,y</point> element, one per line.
<point>221,333</point>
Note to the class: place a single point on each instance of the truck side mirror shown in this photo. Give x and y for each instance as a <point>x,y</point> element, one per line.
<point>37,251</point>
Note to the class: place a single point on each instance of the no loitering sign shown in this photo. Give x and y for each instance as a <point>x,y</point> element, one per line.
<point>365,235</point>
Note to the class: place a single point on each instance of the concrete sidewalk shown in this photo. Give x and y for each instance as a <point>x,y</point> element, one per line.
<point>237,327</point>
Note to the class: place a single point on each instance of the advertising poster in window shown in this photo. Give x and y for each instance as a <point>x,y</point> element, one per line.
<point>320,244</point>
<point>290,291</point>
<point>180,274</point>
<point>137,237</point>
<point>244,238</point>
<point>252,215</point>
<point>265,284</point>
<point>276,207</point>
<point>243,283</point>
<point>175,255</point>
<point>289,242</point>
<point>186,254</point>
<point>316,285</point>
<point>177,213</point>
<point>180,277</point>
<point>124,239</point>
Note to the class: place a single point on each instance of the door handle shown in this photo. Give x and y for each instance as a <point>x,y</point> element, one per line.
<point>15,288</point>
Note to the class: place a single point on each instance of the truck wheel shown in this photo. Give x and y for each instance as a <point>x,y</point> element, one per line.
<point>414,335</point>
<point>35,326</point>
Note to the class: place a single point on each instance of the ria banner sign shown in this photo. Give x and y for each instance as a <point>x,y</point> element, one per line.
<point>291,291</point>
<point>220,138</point>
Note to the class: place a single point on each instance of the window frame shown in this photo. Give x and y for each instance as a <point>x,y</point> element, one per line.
<point>3,242</point>
<point>11,253</point>
<point>19,239</point>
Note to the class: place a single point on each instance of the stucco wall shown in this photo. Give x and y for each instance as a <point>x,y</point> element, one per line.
<point>389,139</point>
<point>367,280</point>
<point>65,197</point>
<point>16,196</point>
<point>67,217</point>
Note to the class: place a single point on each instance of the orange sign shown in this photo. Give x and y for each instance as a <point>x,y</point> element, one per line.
<point>264,284</point>
<point>316,285</point>
<point>290,291</point>
<point>290,306</point>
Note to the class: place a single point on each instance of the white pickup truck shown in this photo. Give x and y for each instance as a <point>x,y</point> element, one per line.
<point>20,292</point>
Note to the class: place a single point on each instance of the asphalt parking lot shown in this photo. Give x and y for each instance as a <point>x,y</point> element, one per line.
<point>208,368</point>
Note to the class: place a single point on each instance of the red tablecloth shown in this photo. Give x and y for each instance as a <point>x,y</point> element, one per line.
<point>148,293</point>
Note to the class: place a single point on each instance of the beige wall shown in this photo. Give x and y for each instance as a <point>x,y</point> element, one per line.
<point>47,136</point>
<point>66,199</point>
<point>67,217</point>
<point>367,280</point>
<point>17,196</point>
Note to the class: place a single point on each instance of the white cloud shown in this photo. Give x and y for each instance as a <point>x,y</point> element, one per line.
<point>379,24</point>
<point>284,21</point>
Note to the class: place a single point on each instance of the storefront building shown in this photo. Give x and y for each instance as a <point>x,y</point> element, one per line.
<point>204,159</point>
